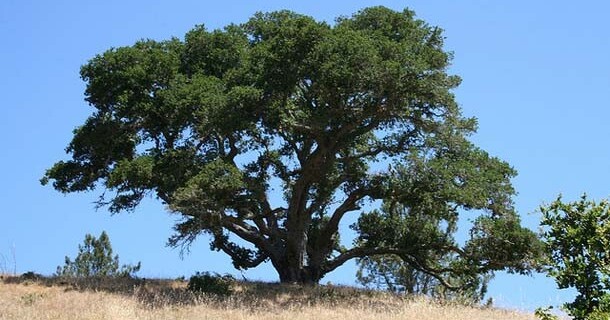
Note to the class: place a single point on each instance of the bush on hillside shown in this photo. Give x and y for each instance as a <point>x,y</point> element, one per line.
<point>211,283</point>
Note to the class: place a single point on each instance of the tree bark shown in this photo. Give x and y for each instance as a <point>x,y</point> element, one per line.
<point>298,275</point>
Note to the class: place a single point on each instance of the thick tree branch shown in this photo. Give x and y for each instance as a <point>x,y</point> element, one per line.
<point>233,150</point>
<point>360,252</point>
<point>237,256</point>
<point>332,226</point>
<point>256,218</point>
<point>373,152</point>
<point>248,233</point>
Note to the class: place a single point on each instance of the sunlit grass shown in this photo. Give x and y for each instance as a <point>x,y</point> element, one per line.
<point>165,299</point>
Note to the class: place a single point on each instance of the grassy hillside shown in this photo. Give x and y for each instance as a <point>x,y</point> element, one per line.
<point>163,299</point>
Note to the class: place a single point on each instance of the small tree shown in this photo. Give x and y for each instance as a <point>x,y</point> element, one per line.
<point>95,259</point>
<point>578,246</point>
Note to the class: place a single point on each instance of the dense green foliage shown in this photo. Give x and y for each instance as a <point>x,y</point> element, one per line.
<point>266,135</point>
<point>211,284</point>
<point>577,237</point>
<point>95,259</point>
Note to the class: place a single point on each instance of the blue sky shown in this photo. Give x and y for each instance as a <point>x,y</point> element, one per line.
<point>535,73</point>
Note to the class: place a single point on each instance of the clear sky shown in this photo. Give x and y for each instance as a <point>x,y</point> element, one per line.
<point>535,73</point>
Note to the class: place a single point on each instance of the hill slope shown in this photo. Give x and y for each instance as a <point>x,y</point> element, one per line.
<point>162,299</point>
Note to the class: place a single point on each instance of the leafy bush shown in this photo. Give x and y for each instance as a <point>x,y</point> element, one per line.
<point>31,275</point>
<point>212,284</point>
<point>95,259</point>
<point>545,314</point>
<point>577,238</point>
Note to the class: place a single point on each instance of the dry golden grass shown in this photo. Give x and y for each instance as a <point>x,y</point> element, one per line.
<point>157,299</point>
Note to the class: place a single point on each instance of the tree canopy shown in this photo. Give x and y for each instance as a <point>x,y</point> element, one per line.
<point>267,134</point>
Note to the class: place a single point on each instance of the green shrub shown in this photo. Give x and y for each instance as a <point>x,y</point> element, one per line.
<point>31,275</point>
<point>212,284</point>
<point>577,238</point>
<point>545,314</point>
<point>95,259</point>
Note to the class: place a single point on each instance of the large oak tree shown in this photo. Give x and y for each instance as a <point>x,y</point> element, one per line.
<point>267,135</point>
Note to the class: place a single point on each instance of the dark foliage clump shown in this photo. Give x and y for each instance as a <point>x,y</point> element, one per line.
<point>215,284</point>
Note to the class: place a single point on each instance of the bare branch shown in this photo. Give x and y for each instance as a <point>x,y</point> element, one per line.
<point>332,226</point>
<point>269,225</point>
<point>233,150</point>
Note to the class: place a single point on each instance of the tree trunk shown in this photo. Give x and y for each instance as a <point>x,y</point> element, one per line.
<point>292,268</point>
<point>303,275</point>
